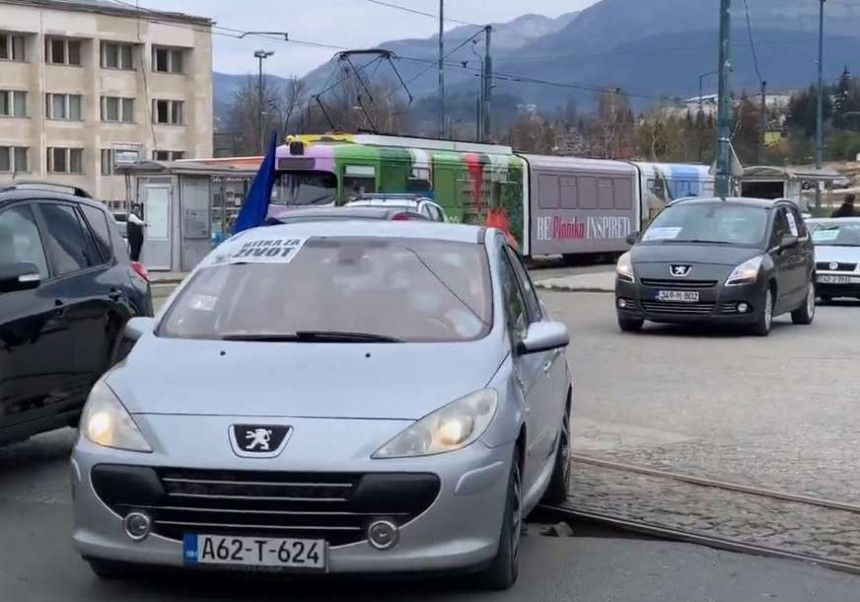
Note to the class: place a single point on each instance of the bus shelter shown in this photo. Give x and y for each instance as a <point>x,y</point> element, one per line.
<point>795,184</point>
<point>189,207</point>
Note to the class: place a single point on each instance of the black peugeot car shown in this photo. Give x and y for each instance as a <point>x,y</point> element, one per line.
<point>67,288</point>
<point>737,260</point>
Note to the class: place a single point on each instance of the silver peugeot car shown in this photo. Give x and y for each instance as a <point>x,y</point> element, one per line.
<point>335,397</point>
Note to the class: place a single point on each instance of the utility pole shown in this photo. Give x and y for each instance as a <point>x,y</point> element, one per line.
<point>261,55</point>
<point>479,118</point>
<point>488,85</point>
<point>441,69</point>
<point>819,116</point>
<point>722,184</point>
<point>763,126</point>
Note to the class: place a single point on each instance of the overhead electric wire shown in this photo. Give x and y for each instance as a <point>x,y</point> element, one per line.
<point>752,42</point>
<point>422,13</point>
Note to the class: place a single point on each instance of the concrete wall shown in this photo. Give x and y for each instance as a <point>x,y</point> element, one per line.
<point>193,87</point>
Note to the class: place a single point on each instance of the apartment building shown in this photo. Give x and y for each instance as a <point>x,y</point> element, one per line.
<point>86,85</point>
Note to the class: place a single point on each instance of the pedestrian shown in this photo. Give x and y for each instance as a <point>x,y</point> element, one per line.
<point>846,209</point>
<point>135,228</point>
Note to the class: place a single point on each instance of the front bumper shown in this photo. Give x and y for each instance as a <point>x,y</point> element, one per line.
<point>847,289</point>
<point>716,304</point>
<point>457,527</point>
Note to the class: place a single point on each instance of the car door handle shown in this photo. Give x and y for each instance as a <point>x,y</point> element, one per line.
<point>115,295</point>
<point>548,365</point>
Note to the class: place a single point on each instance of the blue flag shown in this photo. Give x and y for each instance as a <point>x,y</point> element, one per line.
<point>256,204</point>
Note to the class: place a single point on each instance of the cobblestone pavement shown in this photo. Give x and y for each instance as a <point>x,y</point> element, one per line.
<point>780,413</point>
<point>791,526</point>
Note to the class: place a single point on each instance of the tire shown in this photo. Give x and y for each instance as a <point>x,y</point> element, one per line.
<point>504,568</point>
<point>805,314</point>
<point>764,322</point>
<point>109,570</point>
<point>559,483</point>
<point>630,324</point>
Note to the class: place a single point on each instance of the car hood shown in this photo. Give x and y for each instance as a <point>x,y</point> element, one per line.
<point>312,380</point>
<point>726,255</point>
<point>825,253</point>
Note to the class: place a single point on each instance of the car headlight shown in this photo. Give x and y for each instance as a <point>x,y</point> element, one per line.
<point>106,422</point>
<point>624,269</point>
<point>453,427</point>
<point>745,273</point>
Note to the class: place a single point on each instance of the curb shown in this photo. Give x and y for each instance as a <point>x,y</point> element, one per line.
<point>555,288</point>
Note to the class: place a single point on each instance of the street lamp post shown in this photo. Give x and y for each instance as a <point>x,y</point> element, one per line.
<point>261,55</point>
<point>819,113</point>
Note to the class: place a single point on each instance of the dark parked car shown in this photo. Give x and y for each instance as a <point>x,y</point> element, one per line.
<point>321,214</point>
<point>710,260</point>
<point>67,288</point>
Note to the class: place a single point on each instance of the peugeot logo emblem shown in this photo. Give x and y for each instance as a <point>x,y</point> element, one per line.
<point>679,271</point>
<point>834,266</point>
<point>259,440</point>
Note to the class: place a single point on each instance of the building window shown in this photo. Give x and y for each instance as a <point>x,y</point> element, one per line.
<point>13,159</point>
<point>107,161</point>
<point>65,160</point>
<point>166,155</point>
<point>13,103</point>
<point>63,51</point>
<point>11,47</point>
<point>168,112</point>
<point>119,110</point>
<point>116,55</point>
<point>65,107</point>
<point>167,60</point>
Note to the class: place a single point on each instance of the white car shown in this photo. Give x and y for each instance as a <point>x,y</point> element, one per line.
<point>837,257</point>
<point>424,206</point>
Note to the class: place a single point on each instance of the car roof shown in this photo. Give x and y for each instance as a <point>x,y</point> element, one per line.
<point>346,212</point>
<point>384,202</point>
<point>744,201</point>
<point>834,220</point>
<point>427,230</point>
<point>33,191</point>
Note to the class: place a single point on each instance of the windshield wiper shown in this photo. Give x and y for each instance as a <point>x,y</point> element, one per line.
<point>312,336</point>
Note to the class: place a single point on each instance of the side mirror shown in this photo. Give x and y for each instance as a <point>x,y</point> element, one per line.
<point>632,238</point>
<point>137,327</point>
<point>544,336</point>
<point>788,242</point>
<point>19,277</point>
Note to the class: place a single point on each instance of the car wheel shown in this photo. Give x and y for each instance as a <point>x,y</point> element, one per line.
<point>765,318</point>
<point>805,314</point>
<point>110,570</point>
<point>630,324</point>
<point>559,484</point>
<point>504,568</point>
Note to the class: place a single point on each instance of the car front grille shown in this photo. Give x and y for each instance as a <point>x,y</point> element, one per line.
<point>678,284</point>
<point>841,267</point>
<point>677,308</point>
<point>336,507</point>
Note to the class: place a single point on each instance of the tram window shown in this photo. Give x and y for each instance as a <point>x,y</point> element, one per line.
<point>623,194</point>
<point>548,191</point>
<point>569,195</point>
<point>587,192</point>
<point>358,180</point>
<point>605,193</point>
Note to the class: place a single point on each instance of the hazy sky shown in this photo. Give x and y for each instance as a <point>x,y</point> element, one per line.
<point>349,23</point>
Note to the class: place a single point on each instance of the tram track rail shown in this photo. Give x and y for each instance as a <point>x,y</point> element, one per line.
<point>653,529</point>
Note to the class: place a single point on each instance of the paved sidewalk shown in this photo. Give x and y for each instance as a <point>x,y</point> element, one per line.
<point>164,278</point>
<point>600,282</point>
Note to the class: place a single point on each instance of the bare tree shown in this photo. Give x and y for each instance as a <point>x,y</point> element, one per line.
<point>614,131</point>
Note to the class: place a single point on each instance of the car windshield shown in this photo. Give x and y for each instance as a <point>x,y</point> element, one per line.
<point>339,290</point>
<point>716,223</point>
<point>834,234</point>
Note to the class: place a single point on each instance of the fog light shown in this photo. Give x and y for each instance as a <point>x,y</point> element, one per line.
<point>743,308</point>
<point>383,534</point>
<point>137,525</point>
<point>622,303</point>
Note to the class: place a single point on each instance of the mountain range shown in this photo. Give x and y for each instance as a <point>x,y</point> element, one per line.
<point>651,49</point>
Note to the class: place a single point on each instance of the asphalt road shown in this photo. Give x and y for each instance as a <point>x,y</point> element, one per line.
<point>38,564</point>
<point>779,411</point>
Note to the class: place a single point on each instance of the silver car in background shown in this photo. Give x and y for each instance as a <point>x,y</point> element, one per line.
<point>837,257</point>
<point>331,397</point>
